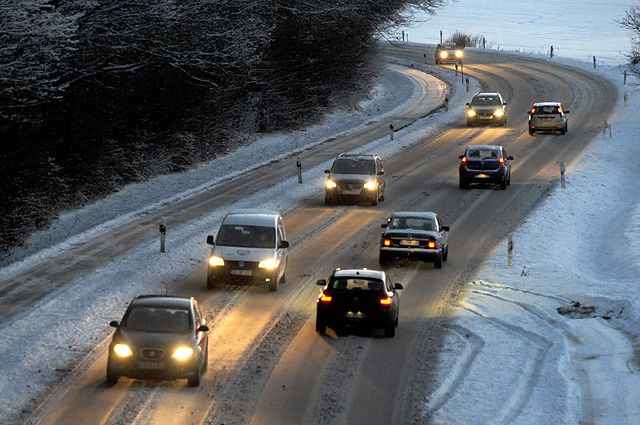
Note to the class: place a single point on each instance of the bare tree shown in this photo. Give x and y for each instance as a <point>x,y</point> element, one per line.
<point>632,22</point>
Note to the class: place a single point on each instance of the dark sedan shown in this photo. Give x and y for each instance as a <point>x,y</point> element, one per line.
<point>360,297</point>
<point>161,337</point>
<point>487,164</point>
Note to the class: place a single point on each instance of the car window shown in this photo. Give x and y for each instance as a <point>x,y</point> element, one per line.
<point>355,284</point>
<point>246,236</point>
<point>539,110</point>
<point>483,154</point>
<point>354,166</point>
<point>485,101</point>
<point>158,319</point>
<point>417,223</point>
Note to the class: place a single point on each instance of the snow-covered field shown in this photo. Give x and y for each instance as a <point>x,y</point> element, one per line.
<point>577,29</point>
<point>550,334</point>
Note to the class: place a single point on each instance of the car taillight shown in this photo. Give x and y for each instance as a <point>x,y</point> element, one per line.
<point>533,111</point>
<point>431,244</point>
<point>386,301</point>
<point>326,298</point>
<point>501,160</point>
<point>387,242</point>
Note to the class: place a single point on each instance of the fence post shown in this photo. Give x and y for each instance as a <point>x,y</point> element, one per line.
<point>391,131</point>
<point>163,232</point>
<point>299,165</point>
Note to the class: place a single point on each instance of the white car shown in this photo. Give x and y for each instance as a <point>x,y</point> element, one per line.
<point>250,248</point>
<point>548,116</point>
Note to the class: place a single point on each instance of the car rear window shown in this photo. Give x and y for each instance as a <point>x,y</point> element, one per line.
<point>158,319</point>
<point>246,236</point>
<point>485,101</point>
<point>354,166</point>
<point>356,284</point>
<point>541,110</point>
<point>483,154</point>
<point>417,223</point>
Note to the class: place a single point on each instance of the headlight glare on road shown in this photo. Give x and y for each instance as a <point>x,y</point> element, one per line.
<point>371,185</point>
<point>122,350</point>
<point>182,353</point>
<point>331,184</point>
<point>443,55</point>
<point>216,261</point>
<point>459,54</point>
<point>471,113</point>
<point>268,263</point>
<point>498,113</point>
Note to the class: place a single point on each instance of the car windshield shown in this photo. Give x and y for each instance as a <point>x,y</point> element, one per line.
<point>158,319</point>
<point>354,166</point>
<point>355,284</point>
<point>246,236</point>
<point>539,110</point>
<point>417,223</point>
<point>483,154</point>
<point>485,101</point>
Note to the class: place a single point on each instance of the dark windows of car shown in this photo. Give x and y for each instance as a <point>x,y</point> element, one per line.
<point>246,236</point>
<point>157,319</point>
<point>354,166</point>
<point>355,284</point>
<point>541,110</point>
<point>485,101</point>
<point>483,153</point>
<point>417,223</point>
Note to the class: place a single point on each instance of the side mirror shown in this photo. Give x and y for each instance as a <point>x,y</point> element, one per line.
<point>210,240</point>
<point>114,324</point>
<point>321,282</point>
<point>327,171</point>
<point>398,286</point>
<point>381,173</point>
<point>284,244</point>
<point>384,225</point>
<point>468,104</point>
<point>510,158</point>
<point>444,228</point>
<point>566,112</point>
<point>528,112</point>
<point>460,156</point>
<point>204,328</point>
<point>505,103</point>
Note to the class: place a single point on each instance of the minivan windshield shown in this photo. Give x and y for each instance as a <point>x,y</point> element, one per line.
<point>246,236</point>
<point>144,318</point>
<point>354,166</point>
<point>485,101</point>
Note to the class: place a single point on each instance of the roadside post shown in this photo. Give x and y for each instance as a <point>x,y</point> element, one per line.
<point>299,165</point>
<point>403,36</point>
<point>456,69</point>
<point>594,62</point>
<point>626,97</point>
<point>391,131</point>
<point>462,72</point>
<point>466,81</point>
<point>551,53</point>
<point>425,58</point>
<point>510,251</point>
<point>163,232</point>
<point>446,103</point>
<point>562,170</point>
<point>625,78</point>
<point>440,36</point>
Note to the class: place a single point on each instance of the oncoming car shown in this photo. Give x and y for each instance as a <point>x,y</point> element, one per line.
<point>448,53</point>
<point>360,297</point>
<point>548,116</point>
<point>250,248</point>
<point>161,337</point>
<point>485,164</point>
<point>487,108</point>
<point>356,177</point>
<point>419,234</point>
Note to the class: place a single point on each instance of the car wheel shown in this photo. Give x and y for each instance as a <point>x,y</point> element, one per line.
<point>273,284</point>
<point>390,331</point>
<point>328,200</point>
<point>194,381</point>
<point>469,124</point>
<point>531,132</point>
<point>205,367</point>
<point>383,259</point>
<point>445,256</point>
<point>503,184</point>
<point>374,201</point>
<point>321,326</point>
<point>211,284</point>
<point>438,262</point>
<point>112,377</point>
<point>463,184</point>
<point>283,279</point>
<point>509,180</point>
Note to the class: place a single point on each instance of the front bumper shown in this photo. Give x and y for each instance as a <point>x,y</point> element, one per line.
<point>241,276</point>
<point>165,368</point>
<point>353,194</point>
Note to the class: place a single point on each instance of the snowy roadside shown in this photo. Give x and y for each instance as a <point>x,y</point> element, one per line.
<point>70,323</point>
<point>552,334</point>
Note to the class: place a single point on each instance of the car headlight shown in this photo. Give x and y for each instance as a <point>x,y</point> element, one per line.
<point>268,263</point>
<point>216,261</point>
<point>471,113</point>
<point>499,113</point>
<point>331,184</point>
<point>182,353</point>
<point>371,185</point>
<point>443,55</point>
<point>122,350</point>
<point>459,54</point>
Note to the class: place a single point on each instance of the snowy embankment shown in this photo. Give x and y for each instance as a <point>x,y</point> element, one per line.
<point>70,326</point>
<point>550,335</point>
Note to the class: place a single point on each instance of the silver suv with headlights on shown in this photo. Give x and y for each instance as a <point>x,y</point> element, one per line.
<point>487,108</point>
<point>448,53</point>
<point>357,177</point>
<point>548,116</point>
<point>251,248</point>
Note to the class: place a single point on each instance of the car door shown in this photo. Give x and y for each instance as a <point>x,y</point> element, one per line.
<point>443,234</point>
<point>282,252</point>
<point>506,161</point>
<point>380,177</point>
<point>395,296</point>
<point>202,338</point>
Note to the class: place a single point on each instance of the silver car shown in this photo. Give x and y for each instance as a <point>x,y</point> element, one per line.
<point>487,108</point>
<point>419,234</point>
<point>251,248</point>
<point>355,177</point>
<point>548,116</point>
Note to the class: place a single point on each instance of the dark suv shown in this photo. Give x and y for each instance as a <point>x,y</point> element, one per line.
<point>159,337</point>
<point>485,164</point>
<point>356,177</point>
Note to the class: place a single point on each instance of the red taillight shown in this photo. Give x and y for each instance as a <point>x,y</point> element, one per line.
<point>431,244</point>
<point>387,242</point>
<point>325,298</point>
<point>533,111</point>
<point>501,161</point>
<point>386,301</point>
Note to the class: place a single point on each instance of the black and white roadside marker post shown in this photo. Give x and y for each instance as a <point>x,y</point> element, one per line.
<point>562,170</point>
<point>466,81</point>
<point>510,251</point>
<point>625,78</point>
<point>163,232</point>
<point>425,59</point>
<point>446,103</point>
<point>461,72</point>
<point>299,165</point>
<point>626,98</point>
<point>391,131</point>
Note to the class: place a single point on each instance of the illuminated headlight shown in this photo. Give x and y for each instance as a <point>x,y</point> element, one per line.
<point>216,261</point>
<point>459,54</point>
<point>182,353</point>
<point>471,113</point>
<point>268,264</point>
<point>331,184</point>
<point>122,350</point>
<point>443,55</point>
<point>371,185</point>
<point>499,113</point>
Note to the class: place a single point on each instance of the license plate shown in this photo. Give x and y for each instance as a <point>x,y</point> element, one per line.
<point>350,192</point>
<point>355,315</point>
<point>151,365</point>
<point>241,272</point>
<point>409,243</point>
<point>484,117</point>
<point>482,176</point>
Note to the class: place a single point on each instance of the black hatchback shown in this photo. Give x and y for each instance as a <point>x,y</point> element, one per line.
<point>161,337</point>
<point>360,296</point>
<point>488,164</point>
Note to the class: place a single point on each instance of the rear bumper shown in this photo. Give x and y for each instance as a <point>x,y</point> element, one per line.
<point>479,176</point>
<point>547,127</point>
<point>335,318</point>
<point>390,250</point>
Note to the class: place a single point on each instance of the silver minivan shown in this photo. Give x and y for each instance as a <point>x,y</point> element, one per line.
<point>250,248</point>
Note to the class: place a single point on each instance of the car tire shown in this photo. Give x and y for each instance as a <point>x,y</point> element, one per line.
<point>194,381</point>
<point>321,326</point>
<point>390,331</point>
<point>469,124</point>
<point>374,201</point>
<point>211,284</point>
<point>509,181</point>
<point>273,285</point>
<point>283,279</point>
<point>383,259</point>
<point>112,377</point>
<point>445,256</point>
<point>503,184</point>
<point>462,184</point>
<point>531,132</point>
<point>328,200</point>
<point>205,367</point>
<point>438,262</point>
